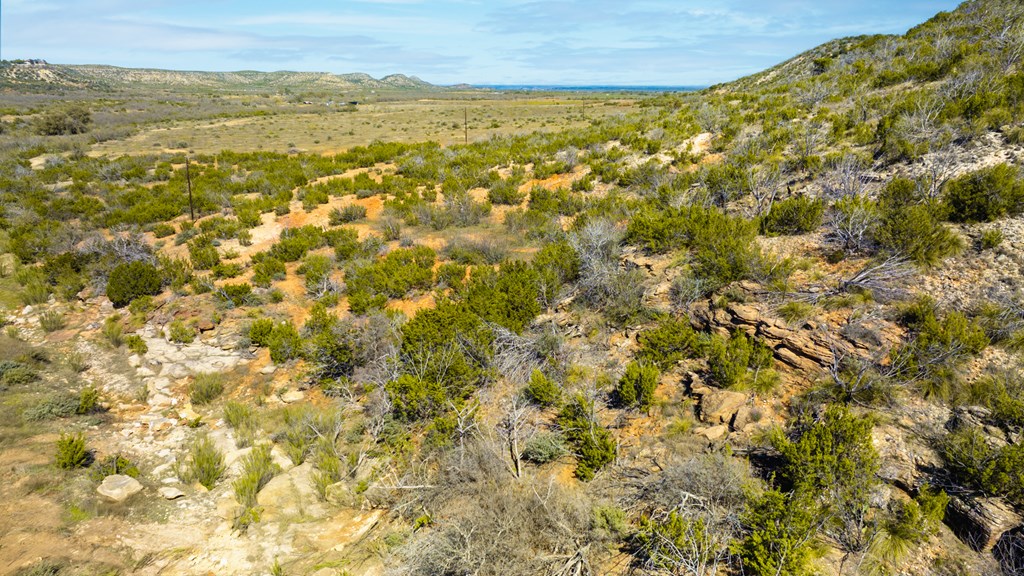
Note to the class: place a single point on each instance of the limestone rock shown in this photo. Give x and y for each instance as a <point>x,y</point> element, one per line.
<point>170,493</point>
<point>292,396</point>
<point>228,509</point>
<point>744,416</point>
<point>719,406</point>
<point>715,432</point>
<point>291,495</point>
<point>118,487</point>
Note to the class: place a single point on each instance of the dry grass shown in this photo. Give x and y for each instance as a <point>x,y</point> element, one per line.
<point>324,130</point>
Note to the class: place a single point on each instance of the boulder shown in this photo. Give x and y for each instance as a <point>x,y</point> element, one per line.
<point>719,406</point>
<point>744,416</point>
<point>981,522</point>
<point>715,432</point>
<point>118,487</point>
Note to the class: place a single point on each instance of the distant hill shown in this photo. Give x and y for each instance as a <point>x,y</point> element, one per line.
<point>41,75</point>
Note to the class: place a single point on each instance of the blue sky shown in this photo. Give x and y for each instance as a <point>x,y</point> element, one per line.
<point>567,42</point>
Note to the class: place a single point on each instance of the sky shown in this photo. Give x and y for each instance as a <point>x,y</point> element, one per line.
<point>557,42</point>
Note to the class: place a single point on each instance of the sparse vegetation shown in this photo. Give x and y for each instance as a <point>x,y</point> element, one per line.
<point>753,320</point>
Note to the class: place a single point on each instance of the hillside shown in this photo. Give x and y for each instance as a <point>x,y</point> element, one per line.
<point>38,74</point>
<point>772,327</point>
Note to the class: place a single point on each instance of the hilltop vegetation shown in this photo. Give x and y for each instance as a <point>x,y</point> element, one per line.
<point>772,327</point>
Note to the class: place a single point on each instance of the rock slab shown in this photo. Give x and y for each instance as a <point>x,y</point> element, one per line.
<point>118,487</point>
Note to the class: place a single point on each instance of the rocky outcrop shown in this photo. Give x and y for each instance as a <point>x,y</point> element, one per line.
<point>806,349</point>
<point>981,522</point>
<point>719,406</point>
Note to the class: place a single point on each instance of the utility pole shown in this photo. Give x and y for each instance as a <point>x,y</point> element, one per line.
<point>465,122</point>
<point>188,180</point>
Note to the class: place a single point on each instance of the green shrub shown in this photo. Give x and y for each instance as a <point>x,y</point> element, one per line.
<point>35,292</point>
<point>258,468</point>
<point>205,388</point>
<point>392,276</point>
<point>131,280</point>
<point>451,275</point>
<point>51,320</point>
<point>795,311</point>
<point>113,464</point>
<point>985,195</point>
<point>260,330</point>
<point>795,215</point>
<point>557,263</point>
<point>448,345</point>
<point>508,297</point>
<point>268,269</point>
<point>593,445</point>
<point>505,192</point>
<point>136,344</point>
<point>542,390</point>
<point>676,541</point>
<point>113,331</point>
<point>732,360</point>
<point>937,345</point>
<point>202,253</point>
<point>227,270</point>
<point>832,454</point>
<point>722,246</point>
<point>671,341</point>
<point>284,343</point>
<point>350,213</point>
<point>71,451</point>
<point>415,399</point>
<point>163,230</point>
<point>179,333</point>
<point>236,294</point>
<point>70,119</point>
<point>636,387</point>
<point>19,374</point>
<point>88,400</point>
<point>914,521</point>
<point>779,534</point>
<point>243,419</point>
<point>991,239</point>
<point>910,228</point>
<point>993,470</point>
<point>203,463</point>
<point>317,271</point>
<point>60,405</point>
<point>294,243</point>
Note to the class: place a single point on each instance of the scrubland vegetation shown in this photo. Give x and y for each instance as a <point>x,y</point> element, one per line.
<point>730,332</point>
